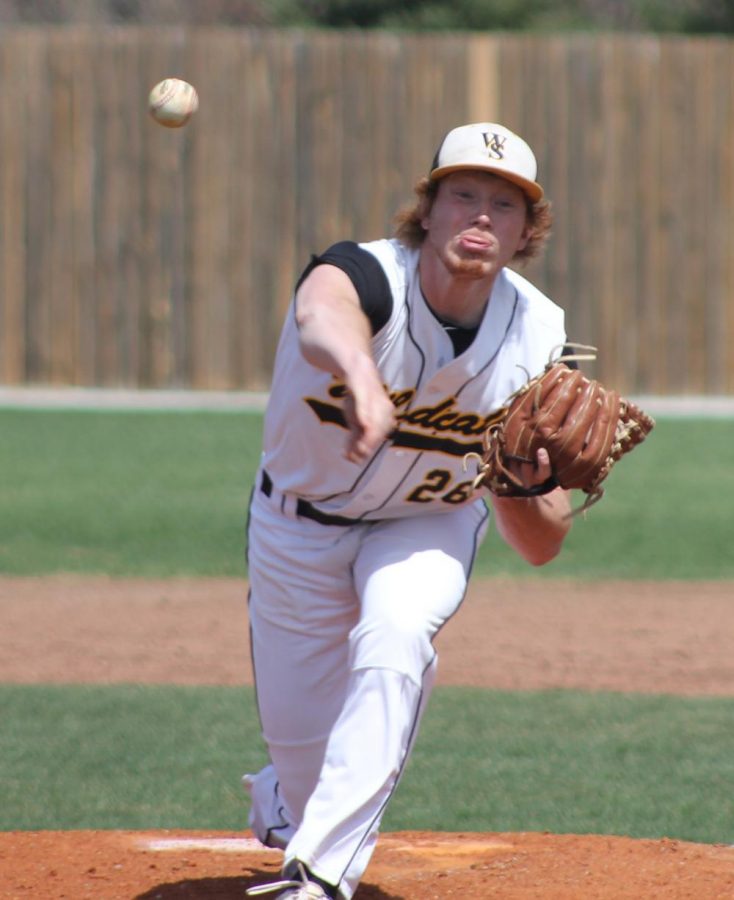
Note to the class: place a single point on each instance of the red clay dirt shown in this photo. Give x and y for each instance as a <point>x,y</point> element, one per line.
<point>513,635</point>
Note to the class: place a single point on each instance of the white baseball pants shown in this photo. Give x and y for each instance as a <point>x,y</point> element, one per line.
<point>342,621</point>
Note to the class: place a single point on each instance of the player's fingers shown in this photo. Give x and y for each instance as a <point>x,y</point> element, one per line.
<point>536,472</point>
<point>544,469</point>
<point>357,451</point>
<point>369,426</point>
<point>360,447</point>
<point>540,471</point>
<point>362,443</point>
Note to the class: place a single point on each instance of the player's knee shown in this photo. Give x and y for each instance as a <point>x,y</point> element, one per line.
<point>399,642</point>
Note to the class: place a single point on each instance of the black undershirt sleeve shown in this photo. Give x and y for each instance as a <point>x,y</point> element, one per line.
<point>365,273</point>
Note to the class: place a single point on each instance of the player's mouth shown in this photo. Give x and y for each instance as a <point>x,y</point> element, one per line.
<point>475,243</point>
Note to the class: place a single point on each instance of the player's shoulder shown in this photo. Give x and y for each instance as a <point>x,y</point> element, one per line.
<point>537,304</point>
<point>395,258</point>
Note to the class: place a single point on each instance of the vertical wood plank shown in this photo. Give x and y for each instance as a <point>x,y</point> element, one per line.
<point>647,180</point>
<point>696,273</point>
<point>319,145</point>
<point>586,178</point>
<point>673,226</point>
<point>723,232</point>
<point>279,144</point>
<point>482,77</point>
<point>82,212</point>
<point>38,206</point>
<point>714,61</point>
<point>249,82</point>
<point>60,297</point>
<point>551,272</point>
<point>13,219</point>
<point>211,64</point>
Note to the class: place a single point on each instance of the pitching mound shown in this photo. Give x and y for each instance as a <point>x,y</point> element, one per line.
<point>406,866</point>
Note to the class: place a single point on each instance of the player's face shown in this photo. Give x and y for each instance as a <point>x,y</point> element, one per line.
<point>477,223</point>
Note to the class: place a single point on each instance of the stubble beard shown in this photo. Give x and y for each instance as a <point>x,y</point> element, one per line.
<point>469,267</point>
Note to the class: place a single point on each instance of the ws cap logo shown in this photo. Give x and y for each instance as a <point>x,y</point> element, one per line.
<point>494,143</point>
<point>492,148</point>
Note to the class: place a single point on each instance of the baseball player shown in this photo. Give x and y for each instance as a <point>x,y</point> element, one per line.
<point>364,525</point>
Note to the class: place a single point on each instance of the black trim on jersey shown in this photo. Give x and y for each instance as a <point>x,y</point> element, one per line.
<point>415,343</point>
<point>412,440</point>
<point>365,273</point>
<point>499,347</point>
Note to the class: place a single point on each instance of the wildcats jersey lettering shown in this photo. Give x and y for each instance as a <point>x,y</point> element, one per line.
<point>444,401</point>
<point>431,421</point>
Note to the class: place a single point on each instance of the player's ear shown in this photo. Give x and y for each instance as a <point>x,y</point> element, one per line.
<point>424,211</point>
<point>426,191</point>
<point>527,233</point>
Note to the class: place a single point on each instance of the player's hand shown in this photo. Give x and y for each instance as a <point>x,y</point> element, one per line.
<point>370,415</point>
<point>536,472</point>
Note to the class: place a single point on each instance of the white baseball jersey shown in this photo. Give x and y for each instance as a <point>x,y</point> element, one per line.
<point>343,615</point>
<point>444,402</point>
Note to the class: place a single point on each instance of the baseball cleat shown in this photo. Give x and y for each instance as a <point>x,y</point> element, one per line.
<point>301,889</point>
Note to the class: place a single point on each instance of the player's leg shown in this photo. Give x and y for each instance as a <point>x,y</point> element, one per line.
<point>302,606</point>
<point>411,575</point>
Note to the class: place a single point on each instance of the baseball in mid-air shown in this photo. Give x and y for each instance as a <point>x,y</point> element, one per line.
<point>172,102</point>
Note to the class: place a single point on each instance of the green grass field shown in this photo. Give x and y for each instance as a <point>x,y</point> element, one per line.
<point>138,757</point>
<point>163,494</point>
<point>159,494</point>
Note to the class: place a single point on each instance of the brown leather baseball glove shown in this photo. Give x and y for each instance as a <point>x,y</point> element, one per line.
<point>584,427</point>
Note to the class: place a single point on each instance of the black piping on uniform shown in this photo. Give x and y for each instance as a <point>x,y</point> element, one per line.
<point>414,726</point>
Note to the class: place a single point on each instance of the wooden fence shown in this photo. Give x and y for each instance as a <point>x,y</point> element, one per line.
<point>133,255</point>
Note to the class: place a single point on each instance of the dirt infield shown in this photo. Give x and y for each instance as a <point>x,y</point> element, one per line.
<point>672,638</point>
<point>406,866</point>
